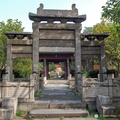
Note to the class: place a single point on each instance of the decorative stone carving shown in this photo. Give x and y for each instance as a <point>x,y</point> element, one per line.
<point>74,7</point>
<point>63,21</point>
<point>10,36</point>
<point>50,20</point>
<point>29,36</point>
<point>20,36</point>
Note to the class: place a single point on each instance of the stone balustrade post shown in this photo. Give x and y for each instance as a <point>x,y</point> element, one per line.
<point>118,78</point>
<point>83,87</point>
<point>4,83</point>
<point>32,87</point>
<point>110,84</point>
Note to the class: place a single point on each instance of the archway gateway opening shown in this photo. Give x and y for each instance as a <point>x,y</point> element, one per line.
<point>56,66</point>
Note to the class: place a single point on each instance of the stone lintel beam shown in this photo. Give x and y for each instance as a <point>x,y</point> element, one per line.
<point>58,26</point>
<point>19,35</point>
<point>38,18</point>
<point>91,43</point>
<point>20,42</point>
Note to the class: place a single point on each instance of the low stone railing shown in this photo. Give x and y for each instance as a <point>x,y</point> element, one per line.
<point>24,91</point>
<point>91,89</point>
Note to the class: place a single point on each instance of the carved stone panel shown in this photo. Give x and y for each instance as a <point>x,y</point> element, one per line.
<point>56,43</point>
<point>57,34</point>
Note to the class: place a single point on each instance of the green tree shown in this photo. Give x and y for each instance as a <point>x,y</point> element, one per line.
<point>112,11</point>
<point>88,30</point>
<point>51,66</point>
<point>102,27</point>
<point>23,67</point>
<point>113,48</point>
<point>112,43</point>
<point>10,25</point>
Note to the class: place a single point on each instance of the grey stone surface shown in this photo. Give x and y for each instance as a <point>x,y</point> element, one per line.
<point>6,114</point>
<point>59,112</point>
<point>104,106</point>
<point>10,103</point>
<point>107,110</point>
<point>58,92</point>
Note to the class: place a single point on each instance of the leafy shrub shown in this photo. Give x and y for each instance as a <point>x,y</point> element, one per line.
<point>19,112</point>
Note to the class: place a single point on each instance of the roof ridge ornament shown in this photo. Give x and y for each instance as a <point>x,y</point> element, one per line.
<point>41,6</point>
<point>74,7</point>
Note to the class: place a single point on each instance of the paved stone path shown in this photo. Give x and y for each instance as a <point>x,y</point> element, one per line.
<point>58,92</point>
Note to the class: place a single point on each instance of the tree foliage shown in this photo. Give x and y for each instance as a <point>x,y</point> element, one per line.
<point>112,43</point>
<point>112,10</point>
<point>88,30</point>
<point>10,25</point>
<point>51,66</point>
<point>23,67</point>
<point>102,27</point>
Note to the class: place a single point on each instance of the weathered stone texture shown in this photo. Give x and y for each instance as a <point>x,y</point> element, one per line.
<point>22,49</point>
<point>6,114</point>
<point>104,106</point>
<point>56,34</point>
<point>57,13</point>
<point>10,103</point>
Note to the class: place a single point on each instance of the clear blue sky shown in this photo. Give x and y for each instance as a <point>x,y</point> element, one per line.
<point>19,9</point>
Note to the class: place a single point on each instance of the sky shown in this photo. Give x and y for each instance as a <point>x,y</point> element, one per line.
<point>19,9</point>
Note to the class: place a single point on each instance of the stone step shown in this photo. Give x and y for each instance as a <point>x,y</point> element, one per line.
<point>52,104</point>
<point>56,113</point>
<point>57,81</point>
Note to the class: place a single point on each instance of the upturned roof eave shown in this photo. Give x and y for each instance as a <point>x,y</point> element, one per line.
<point>33,17</point>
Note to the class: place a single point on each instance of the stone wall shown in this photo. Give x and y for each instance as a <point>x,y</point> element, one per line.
<point>24,91</point>
<point>91,89</point>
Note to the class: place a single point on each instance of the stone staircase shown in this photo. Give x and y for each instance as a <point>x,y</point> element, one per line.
<point>57,100</point>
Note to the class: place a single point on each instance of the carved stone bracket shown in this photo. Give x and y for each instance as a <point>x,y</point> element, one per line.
<point>18,35</point>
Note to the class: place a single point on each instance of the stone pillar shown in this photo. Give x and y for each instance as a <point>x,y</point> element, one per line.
<point>102,63</point>
<point>35,47</point>
<point>9,62</point>
<point>68,69</point>
<point>65,70</point>
<point>35,64</point>
<point>45,69</point>
<point>77,57</point>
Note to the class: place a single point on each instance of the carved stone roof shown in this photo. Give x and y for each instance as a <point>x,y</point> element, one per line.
<point>57,15</point>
